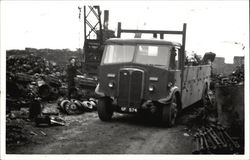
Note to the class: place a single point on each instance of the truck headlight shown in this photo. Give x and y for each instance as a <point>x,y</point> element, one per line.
<point>151,88</point>
<point>170,84</point>
<point>111,84</point>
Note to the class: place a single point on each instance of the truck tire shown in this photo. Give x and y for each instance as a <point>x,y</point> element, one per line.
<point>169,112</point>
<point>105,109</point>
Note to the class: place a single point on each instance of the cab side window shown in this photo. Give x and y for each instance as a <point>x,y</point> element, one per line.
<point>174,63</point>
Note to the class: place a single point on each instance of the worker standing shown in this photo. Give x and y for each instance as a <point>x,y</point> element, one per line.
<point>71,74</point>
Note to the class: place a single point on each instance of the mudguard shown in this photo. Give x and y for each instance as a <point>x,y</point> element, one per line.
<point>97,91</point>
<point>166,100</point>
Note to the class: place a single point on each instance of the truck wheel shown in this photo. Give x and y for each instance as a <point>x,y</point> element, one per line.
<point>169,113</point>
<point>105,109</point>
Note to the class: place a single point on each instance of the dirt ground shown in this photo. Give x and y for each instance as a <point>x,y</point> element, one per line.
<point>86,134</point>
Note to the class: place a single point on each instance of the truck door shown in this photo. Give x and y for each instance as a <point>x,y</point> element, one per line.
<point>175,66</point>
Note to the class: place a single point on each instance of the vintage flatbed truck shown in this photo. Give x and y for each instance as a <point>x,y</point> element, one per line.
<point>139,75</point>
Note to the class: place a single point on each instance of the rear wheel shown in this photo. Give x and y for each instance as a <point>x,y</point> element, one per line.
<point>169,112</point>
<point>105,109</point>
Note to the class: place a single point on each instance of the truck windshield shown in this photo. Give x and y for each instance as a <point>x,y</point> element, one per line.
<point>119,53</point>
<point>157,55</point>
<point>153,55</point>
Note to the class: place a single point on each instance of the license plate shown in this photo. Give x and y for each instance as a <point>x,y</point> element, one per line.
<point>132,109</point>
<point>129,109</point>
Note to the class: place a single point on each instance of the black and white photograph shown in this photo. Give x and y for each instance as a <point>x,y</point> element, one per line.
<point>124,79</point>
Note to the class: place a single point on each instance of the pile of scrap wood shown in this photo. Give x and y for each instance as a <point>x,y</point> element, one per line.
<point>215,139</point>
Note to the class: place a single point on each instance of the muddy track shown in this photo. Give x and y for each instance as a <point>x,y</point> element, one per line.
<point>125,134</point>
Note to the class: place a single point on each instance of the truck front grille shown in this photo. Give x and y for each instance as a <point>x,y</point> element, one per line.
<point>130,87</point>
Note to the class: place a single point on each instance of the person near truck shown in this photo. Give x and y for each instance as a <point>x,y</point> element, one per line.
<point>71,74</point>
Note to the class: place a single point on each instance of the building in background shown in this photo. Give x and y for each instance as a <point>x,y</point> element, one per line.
<point>220,67</point>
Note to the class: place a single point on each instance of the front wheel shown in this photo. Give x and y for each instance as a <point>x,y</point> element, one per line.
<point>169,113</point>
<point>105,109</point>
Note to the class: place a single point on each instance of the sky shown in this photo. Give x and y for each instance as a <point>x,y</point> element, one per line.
<point>211,25</point>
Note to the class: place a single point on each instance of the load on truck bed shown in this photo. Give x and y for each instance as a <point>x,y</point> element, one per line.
<point>141,75</point>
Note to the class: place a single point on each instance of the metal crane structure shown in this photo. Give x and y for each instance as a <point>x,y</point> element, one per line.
<point>95,33</point>
<point>93,43</point>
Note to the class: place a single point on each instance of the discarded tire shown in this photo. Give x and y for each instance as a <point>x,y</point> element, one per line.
<point>62,104</point>
<point>87,105</point>
<point>78,104</point>
<point>72,108</point>
<point>44,91</point>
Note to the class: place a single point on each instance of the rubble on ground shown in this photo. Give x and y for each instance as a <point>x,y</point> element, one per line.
<point>15,130</point>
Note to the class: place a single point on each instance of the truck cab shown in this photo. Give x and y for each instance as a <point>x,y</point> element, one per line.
<point>138,75</point>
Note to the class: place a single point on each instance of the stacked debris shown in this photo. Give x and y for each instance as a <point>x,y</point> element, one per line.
<point>49,87</point>
<point>195,59</point>
<point>47,79</point>
<point>21,92</point>
<point>235,78</point>
<point>33,76</point>
<point>29,64</point>
<point>214,139</point>
<point>225,134</point>
<point>85,86</point>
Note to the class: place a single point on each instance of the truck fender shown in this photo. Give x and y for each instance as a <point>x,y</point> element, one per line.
<point>97,91</point>
<point>173,91</point>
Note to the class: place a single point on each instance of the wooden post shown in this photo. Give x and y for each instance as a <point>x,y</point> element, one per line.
<point>119,26</point>
<point>161,36</point>
<point>183,54</point>
<point>155,35</point>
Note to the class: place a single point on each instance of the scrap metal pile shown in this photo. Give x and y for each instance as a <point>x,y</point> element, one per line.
<point>214,139</point>
<point>33,85</point>
<point>235,78</point>
<point>30,74</point>
<point>30,77</point>
<point>31,64</point>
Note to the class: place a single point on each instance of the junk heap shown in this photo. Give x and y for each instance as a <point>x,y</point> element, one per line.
<point>33,85</point>
<point>225,135</point>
